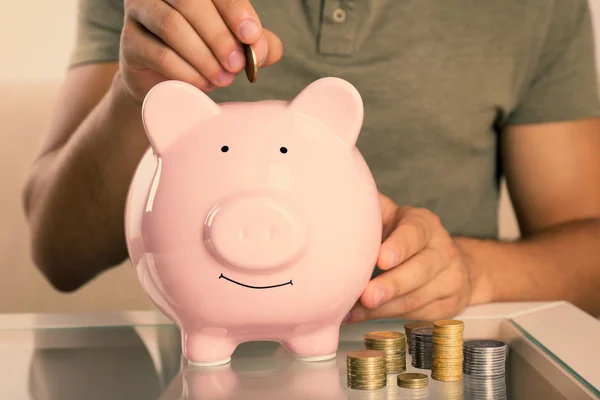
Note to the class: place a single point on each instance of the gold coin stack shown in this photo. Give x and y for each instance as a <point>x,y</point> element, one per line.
<point>408,328</point>
<point>447,360</point>
<point>366,370</point>
<point>412,381</point>
<point>393,345</point>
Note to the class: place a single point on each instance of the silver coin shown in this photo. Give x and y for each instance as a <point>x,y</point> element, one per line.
<point>485,356</point>
<point>426,330</point>
<point>487,350</point>
<point>483,344</point>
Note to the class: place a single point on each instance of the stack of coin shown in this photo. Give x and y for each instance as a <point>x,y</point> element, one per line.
<point>408,328</point>
<point>481,387</point>
<point>447,360</point>
<point>366,370</point>
<point>484,368</point>
<point>484,358</point>
<point>412,381</point>
<point>422,347</point>
<point>393,344</point>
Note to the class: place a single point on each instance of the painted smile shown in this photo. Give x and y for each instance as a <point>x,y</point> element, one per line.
<point>256,287</point>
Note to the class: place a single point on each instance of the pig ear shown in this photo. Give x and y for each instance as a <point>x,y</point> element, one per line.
<point>334,103</point>
<point>172,107</point>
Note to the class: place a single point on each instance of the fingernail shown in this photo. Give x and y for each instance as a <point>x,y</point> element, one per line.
<point>392,258</point>
<point>248,29</point>
<point>225,78</point>
<point>236,60</point>
<point>262,47</point>
<point>378,295</point>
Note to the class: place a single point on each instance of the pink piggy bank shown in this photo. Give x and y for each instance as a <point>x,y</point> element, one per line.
<point>254,221</point>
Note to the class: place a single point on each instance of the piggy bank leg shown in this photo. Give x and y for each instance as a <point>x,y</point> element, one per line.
<point>207,350</point>
<point>316,345</point>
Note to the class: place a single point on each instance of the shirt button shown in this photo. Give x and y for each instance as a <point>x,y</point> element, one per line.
<point>339,15</point>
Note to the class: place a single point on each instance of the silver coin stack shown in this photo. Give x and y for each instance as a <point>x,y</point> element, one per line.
<point>484,358</point>
<point>422,347</point>
<point>485,368</point>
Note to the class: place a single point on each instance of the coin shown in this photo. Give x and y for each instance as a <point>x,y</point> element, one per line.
<point>485,344</point>
<point>384,335</point>
<point>366,369</point>
<point>367,355</point>
<point>393,345</point>
<point>408,328</point>
<point>251,63</point>
<point>412,380</point>
<point>449,324</point>
<point>447,351</point>
<point>422,347</point>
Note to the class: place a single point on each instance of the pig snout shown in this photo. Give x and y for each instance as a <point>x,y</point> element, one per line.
<point>256,232</point>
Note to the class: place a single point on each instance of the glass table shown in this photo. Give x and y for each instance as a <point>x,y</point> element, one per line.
<point>554,354</point>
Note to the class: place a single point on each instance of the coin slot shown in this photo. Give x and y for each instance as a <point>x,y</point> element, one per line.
<point>283,150</point>
<point>225,149</point>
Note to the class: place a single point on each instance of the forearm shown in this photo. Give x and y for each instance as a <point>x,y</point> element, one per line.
<point>562,263</point>
<point>75,196</point>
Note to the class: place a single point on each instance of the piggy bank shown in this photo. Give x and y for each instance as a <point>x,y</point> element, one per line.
<point>253,221</point>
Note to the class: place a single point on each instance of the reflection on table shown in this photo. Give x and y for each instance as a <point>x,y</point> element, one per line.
<point>273,375</point>
<point>146,363</point>
<point>115,363</point>
<point>105,363</point>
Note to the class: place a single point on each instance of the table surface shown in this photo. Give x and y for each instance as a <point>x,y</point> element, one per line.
<point>137,355</point>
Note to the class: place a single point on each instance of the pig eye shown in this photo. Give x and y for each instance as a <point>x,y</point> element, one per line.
<point>283,150</point>
<point>225,149</point>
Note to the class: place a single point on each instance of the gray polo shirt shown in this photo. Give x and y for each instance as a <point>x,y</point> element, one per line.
<point>439,81</point>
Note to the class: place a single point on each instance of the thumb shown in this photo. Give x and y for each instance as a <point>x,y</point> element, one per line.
<point>274,48</point>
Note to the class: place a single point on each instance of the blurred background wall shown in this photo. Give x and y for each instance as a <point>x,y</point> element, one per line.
<point>36,38</point>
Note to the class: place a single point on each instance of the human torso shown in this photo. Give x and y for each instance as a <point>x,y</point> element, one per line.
<point>438,80</point>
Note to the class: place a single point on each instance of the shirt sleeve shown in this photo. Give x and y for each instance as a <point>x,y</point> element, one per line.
<point>563,85</point>
<point>99,26</point>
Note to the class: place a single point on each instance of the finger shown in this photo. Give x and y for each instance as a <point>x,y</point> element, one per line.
<point>273,49</point>
<point>388,209</point>
<point>405,278</point>
<point>173,29</point>
<point>141,47</point>
<point>413,232</point>
<point>205,19</point>
<point>240,17</point>
<point>440,309</point>
<point>447,284</point>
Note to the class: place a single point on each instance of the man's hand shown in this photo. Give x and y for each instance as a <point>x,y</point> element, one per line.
<point>425,276</point>
<point>198,42</point>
